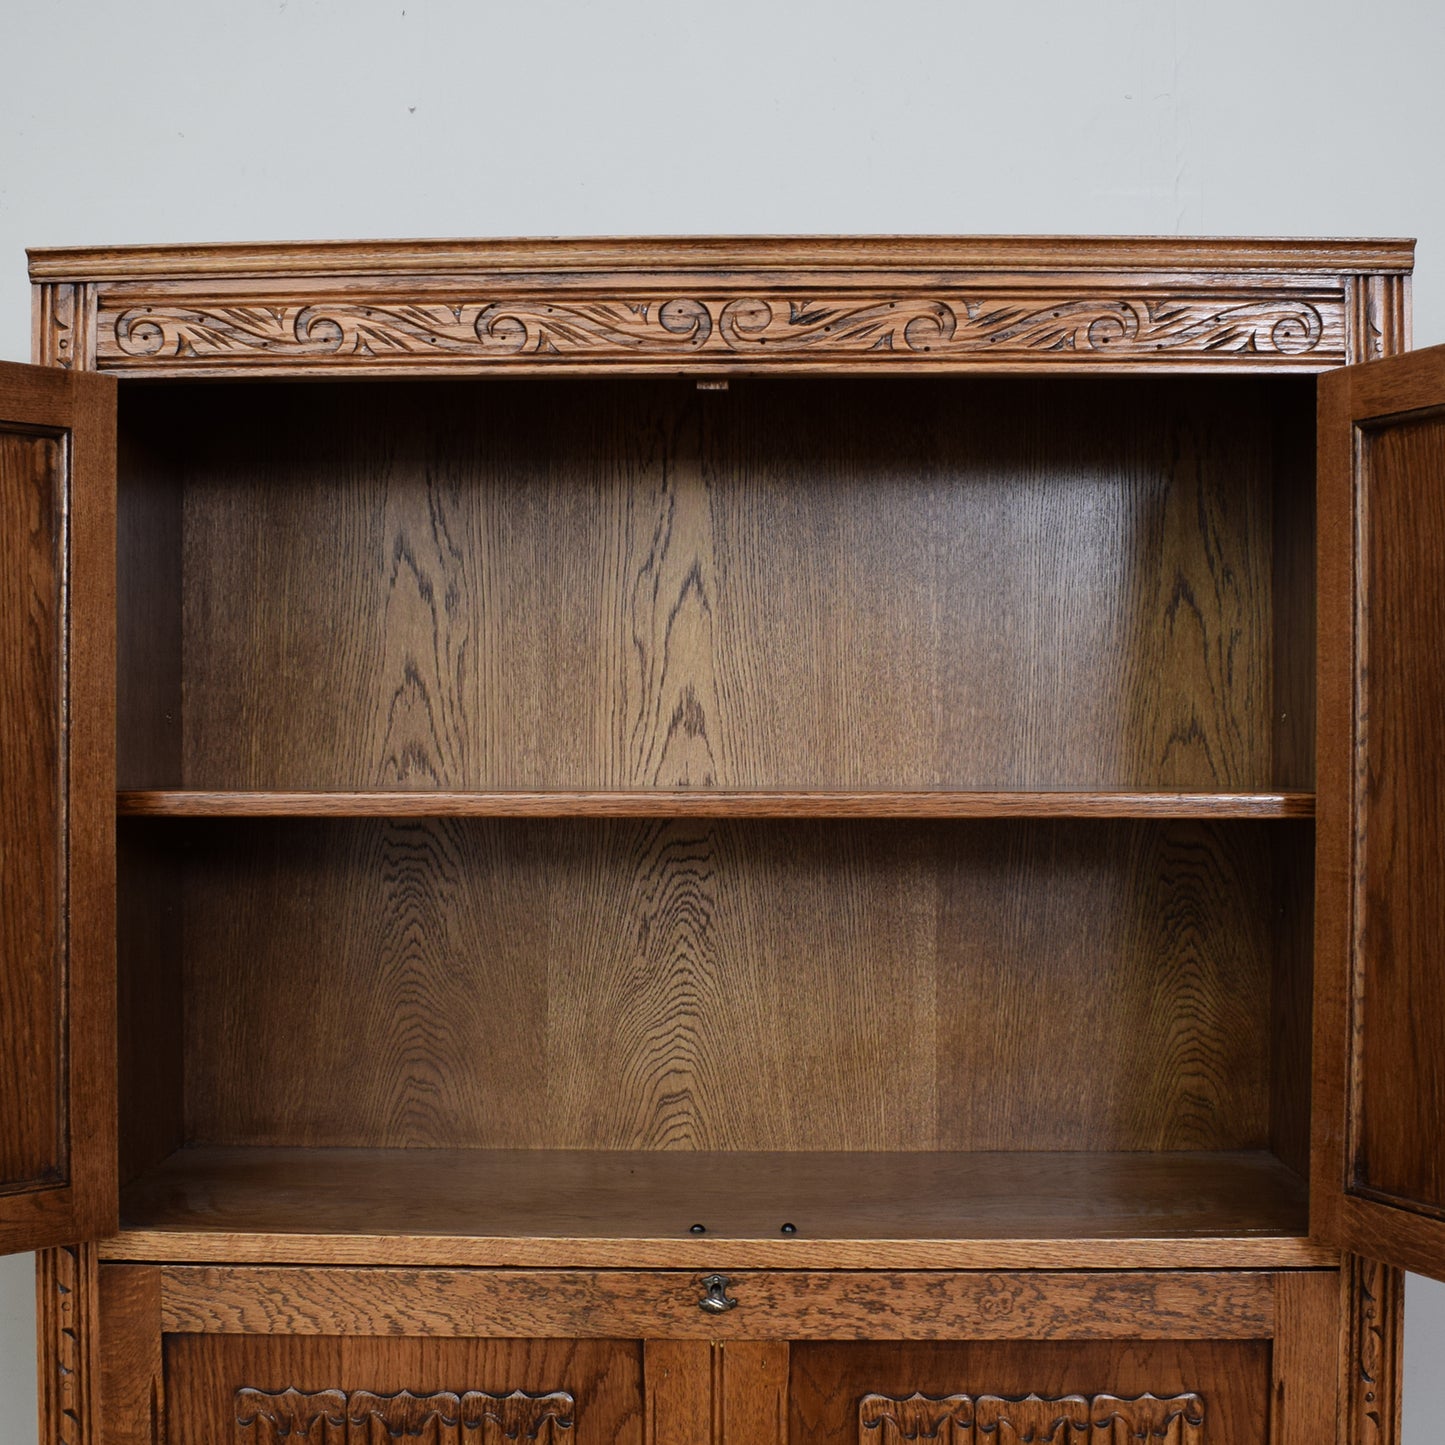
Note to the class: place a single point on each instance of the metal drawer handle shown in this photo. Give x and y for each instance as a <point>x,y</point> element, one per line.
<point>717,1300</point>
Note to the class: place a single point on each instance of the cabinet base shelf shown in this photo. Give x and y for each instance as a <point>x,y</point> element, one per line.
<point>581,1209</point>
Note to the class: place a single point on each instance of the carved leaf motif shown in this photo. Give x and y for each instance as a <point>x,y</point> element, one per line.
<point>565,324</point>
<point>886,1420</point>
<point>318,1418</point>
<point>362,1417</point>
<point>1374,1344</point>
<point>1030,1419</point>
<point>485,328</point>
<point>1177,1420</point>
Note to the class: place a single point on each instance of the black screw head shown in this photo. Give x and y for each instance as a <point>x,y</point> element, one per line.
<point>698,1229</point>
<point>790,1229</point>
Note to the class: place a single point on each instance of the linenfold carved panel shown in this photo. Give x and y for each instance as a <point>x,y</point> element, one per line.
<point>1030,1419</point>
<point>556,324</point>
<point>360,1417</point>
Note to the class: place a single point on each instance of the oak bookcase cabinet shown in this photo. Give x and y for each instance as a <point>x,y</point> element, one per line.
<point>723,842</point>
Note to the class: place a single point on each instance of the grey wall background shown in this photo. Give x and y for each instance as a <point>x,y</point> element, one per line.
<point>196,120</point>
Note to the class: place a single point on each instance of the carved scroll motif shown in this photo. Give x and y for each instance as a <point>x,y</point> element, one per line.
<point>57,336</point>
<point>1030,1420</point>
<point>360,1417</point>
<point>1373,1345</point>
<point>658,327</point>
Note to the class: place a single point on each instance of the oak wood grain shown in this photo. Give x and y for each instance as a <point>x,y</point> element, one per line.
<point>716,1392</point>
<point>148,591</point>
<point>132,1407</point>
<point>1401,851</point>
<point>1304,1400</point>
<point>779,1305</point>
<point>735,306</point>
<point>751,1392</point>
<point>1099,591</point>
<point>1268,257</point>
<point>631,585</point>
<point>1378,1187</point>
<point>1125,952</point>
<point>67,1331</point>
<point>678,1389</point>
<point>150,1033</point>
<point>718,803</point>
<point>1373,1299</point>
<point>33,487</point>
<point>620,1209</point>
<point>729,985</point>
<point>205,1372</point>
<point>57,781</point>
<point>829,1379</point>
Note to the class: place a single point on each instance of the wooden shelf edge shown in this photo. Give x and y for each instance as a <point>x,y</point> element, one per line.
<point>937,803</point>
<point>1212,1252</point>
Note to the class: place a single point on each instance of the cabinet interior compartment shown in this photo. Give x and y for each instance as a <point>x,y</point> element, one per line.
<point>850,1026</point>
<point>868,1028</point>
<point>957,583</point>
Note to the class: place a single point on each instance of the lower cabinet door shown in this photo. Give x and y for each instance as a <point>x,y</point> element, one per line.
<point>261,1355</point>
<point>328,1390</point>
<point>1183,1392</point>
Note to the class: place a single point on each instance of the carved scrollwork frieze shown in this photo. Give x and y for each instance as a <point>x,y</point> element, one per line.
<point>361,1417</point>
<point>1030,1419</point>
<point>560,325</point>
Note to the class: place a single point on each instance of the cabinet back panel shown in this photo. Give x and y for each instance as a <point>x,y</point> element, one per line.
<point>631,584</point>
<point>704,985</point>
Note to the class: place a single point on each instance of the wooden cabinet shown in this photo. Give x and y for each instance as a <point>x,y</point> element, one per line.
<point>722,842</point>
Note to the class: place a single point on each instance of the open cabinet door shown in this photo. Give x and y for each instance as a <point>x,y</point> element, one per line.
<point>1378,1186</point>
<point>57,808</point>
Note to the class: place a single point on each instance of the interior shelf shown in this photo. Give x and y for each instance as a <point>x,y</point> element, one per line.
<point>593,1209</point>
<point>713,803</point>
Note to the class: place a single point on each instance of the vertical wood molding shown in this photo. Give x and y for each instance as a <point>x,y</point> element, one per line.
<point>53,330</point>
<point>67,1299</point>
<point>63,326</point>
<point>131,1367</point>
<point>1373,1299</point>
<point>716,1392</point>
<point>1303,1407</point>
<point>1377,317</point>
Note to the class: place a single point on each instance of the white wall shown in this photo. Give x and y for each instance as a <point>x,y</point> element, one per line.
<point>194,120</point>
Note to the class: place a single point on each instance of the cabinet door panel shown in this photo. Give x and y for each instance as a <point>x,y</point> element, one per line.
<point>57,1010</point>
<point>1380,1002</point>
<point>331,1390</point>
<point>1185,1392</point>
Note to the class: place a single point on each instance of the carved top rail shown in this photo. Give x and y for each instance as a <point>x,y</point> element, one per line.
<point>721,306</point>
